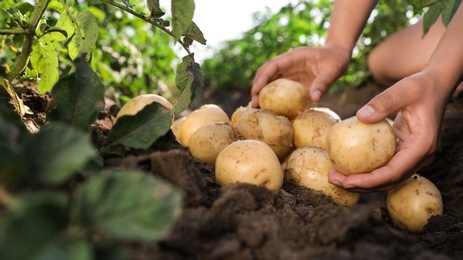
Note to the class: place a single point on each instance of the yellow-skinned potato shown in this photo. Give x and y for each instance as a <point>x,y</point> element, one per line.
<point>268,127</point>
<point>176,125</point>
<point>238,112</point>
<point>136,104</point>
<point>249,161</point>
<point>284,97</point>
<point>355,147</point>
<point>202,116</point>
<point>309,167</point>
<point>413,202</point>
<point>312,126</point>
<point>208,141</point>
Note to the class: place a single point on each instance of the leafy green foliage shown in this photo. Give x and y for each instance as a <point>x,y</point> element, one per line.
<point>141,130</point>
<point>51,203</point>
<point>126,205</point>
<point>438,7</point>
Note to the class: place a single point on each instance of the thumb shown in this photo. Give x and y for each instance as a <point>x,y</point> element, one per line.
<point>381,106</point>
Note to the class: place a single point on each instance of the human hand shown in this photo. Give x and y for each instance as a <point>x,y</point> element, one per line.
<point>315,68</point>
<point>421,105</point>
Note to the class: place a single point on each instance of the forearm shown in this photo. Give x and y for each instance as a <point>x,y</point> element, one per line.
<point>347,22</point>
<point>446,63</point>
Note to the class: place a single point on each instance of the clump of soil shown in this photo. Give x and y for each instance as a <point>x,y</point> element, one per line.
<point>242,221</point>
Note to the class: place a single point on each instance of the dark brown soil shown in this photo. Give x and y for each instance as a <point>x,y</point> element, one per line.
<point>248,222</point>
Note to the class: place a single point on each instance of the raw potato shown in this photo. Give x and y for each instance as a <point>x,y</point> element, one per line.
<point>202,116</point>
<point>176,125</point>
<point>238,112</point>
<point>413,202</point>
<point>268,127</point>
<point>208,141</point>
<point>136,104</point>
<point>249,161</point>
<point>355,147</point>
<point>312,126</point>
<point>309,167</point>
<point>284,97</point>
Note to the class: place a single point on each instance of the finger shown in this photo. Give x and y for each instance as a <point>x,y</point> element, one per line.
<point>383,104</point>
<point>319,86</point>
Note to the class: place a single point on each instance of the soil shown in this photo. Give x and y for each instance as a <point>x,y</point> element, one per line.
<point>242,221</point>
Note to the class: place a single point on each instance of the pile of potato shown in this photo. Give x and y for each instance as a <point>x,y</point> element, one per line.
<point>287,140</point>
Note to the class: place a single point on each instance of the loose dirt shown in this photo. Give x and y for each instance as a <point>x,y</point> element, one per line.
<point>242,221</point>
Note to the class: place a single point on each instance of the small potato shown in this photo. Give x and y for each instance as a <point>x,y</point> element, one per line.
<point>309,167</point>
<point>284,97</point>
<point>208,141</point>
<point>268,127</point>
<point>136,104</point>
<point>202,116</point>
<point>413,202</point>
<point>312,126</point>
<point>249,161</point>
<point>176,125</point>
<point>355,147</point>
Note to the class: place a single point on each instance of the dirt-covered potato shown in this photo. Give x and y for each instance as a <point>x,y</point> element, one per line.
<point>238,112</point>
<point>312,125</point>
<point>136,104</point>
<point>208,141</point>
<point>268,127</point>
<point>249,161</point>
<point>284,97</point>
<point>202,116</point>
<point>309,167</point>
<point>413,202</point>
<point>355,147</point>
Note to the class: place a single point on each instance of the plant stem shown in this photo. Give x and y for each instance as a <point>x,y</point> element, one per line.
<point>15,31</point>
<point>26,49</point>
<point>147,19</point>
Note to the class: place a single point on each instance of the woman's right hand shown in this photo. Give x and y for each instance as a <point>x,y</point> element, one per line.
<point>315,68</point>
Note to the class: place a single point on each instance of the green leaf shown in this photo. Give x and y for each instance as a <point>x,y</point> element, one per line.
<point>195,33</point>
<point>110,250</point>
<point>86,35</point>
<point>430,17</point>
<point>182,15</point>
<point>141,130</point>
<point>56,153</point>
<point>65,23</point>
<point>79,97</point>
<point>67,248</point>
<point>33,225</point>
<point>126,205</point>
<point>449,8</point>
<point>190,81</point>
<point>426,3</point>
<point>44,59</point>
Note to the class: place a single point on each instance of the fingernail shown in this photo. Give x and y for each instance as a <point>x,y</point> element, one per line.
<point>316,95</point>
<point>366,111</point>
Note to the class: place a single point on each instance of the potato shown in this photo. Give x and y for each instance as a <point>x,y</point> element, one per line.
<point>284,97</point>
<point>413,202</point>
<point>312,125</point>
<point>136,104</point>
<point>176,125</point>
<point>208,141</point>
<point>202,116</point>
<point>268,127</point>
<point>355,147</point>
<point>249,161</point>
<point>238,112</point>
<point>309,167</point>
